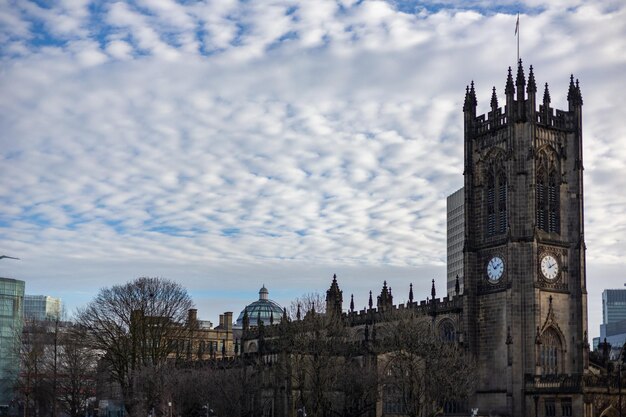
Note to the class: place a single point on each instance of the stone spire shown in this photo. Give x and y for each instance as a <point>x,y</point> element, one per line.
<point>520,80</point>
<point>509,89</point>
<point>531,87</point>
<point>494,99</point>
<point>470,99</point>
<point>334,298</point>
<point>546,96</point>
<point>351,302</point>
<point>432,290</point>
<point>371,303</point>
<point>410,293</point>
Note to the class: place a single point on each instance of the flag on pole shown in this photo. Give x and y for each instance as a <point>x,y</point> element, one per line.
<point>517,24</point>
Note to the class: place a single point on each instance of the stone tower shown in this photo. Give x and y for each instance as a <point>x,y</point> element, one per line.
<point>525,298</point>
<point>334,299</point>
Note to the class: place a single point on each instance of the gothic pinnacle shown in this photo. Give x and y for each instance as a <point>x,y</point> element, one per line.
<point>472,95</point>
<point>371,303</point>
<point>546,96</point>
<point>509,89</point>
<point>532,87</point>
<point>411,293</point>
<point>351,302</point>
<point>521,80</point>
<point>432,290</point>
<point>494,99</point>
<point>572,88</point>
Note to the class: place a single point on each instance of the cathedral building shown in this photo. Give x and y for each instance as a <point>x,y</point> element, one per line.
<point>521,315</point>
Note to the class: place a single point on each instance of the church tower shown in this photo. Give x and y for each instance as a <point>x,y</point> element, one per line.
<point>525,297</point>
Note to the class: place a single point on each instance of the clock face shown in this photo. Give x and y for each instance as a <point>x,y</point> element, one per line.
<point>549,267</point>
<point>495,269</point>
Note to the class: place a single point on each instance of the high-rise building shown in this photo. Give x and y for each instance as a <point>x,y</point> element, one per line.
<point>42,307</point>
<point>454,236</point>
<point>613,306</point>
<point>11,311</point>
<point>613,327</point>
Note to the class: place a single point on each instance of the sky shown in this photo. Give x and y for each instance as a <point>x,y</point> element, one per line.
<point>229,144</point>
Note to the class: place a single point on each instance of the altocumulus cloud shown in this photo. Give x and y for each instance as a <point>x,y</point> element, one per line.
<point>226,143</point>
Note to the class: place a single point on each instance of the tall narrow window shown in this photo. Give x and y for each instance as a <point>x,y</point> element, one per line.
<point>550,352</point>
<point>491,206</point>
<point>553,204</point>
<point>502,203</point>
<point>541,201</point>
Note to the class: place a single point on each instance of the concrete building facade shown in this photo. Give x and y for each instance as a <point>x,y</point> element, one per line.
<point>455,234</point>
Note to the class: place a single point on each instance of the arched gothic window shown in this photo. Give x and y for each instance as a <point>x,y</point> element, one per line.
<point>548,194</point>
<point>550,352</point>
<point>496,196</point>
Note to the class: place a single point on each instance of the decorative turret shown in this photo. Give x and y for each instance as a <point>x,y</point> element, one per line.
<point>509,90</point>
<point>385,299</point>
<point>574,97</point>
<point>494,99</point>
<point>334,298</point>
<point>531,89</point>
<point>520,82</point>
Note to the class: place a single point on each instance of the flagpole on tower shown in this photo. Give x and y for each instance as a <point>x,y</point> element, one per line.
<point>517,34</point>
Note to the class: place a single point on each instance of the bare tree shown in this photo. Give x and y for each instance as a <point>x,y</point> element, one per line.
<point>77,363</point>
<point>309,302</point>
<point>422,372</point>
<point>133,324</point>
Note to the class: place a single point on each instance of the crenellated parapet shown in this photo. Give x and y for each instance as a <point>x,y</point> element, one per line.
<point>520,106</point>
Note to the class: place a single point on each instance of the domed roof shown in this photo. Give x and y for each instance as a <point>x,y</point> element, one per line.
<point>263,308</point>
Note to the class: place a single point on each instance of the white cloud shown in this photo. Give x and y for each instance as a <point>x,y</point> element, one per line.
<point>303,139</point>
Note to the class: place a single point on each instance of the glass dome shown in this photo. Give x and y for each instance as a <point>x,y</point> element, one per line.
<point>264,307</point>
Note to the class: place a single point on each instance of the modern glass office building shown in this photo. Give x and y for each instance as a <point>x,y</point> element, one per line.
<point>42,307</point>
<point>11,321</point>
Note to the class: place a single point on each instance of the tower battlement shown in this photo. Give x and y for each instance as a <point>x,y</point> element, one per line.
<point>521,106</point>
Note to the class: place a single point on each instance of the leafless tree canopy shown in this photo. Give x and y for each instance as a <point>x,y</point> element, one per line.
<point>307,302</point>
<point>131,324</point>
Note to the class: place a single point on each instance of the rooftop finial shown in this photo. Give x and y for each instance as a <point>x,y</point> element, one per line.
<point>432,290</point>
<point>494,99</point>
<point>579,96</point>
<point>352,302</point>
<point>521,79</point>
<point>532,87</point>
<point>472,94</point>
<point>571,92</point>
<point>411,293</point>
<point>546,96</point>
<point>509,88</point>
<point>371,303</point>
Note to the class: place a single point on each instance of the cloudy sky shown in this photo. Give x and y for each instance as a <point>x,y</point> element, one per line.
<point>226,144</point>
